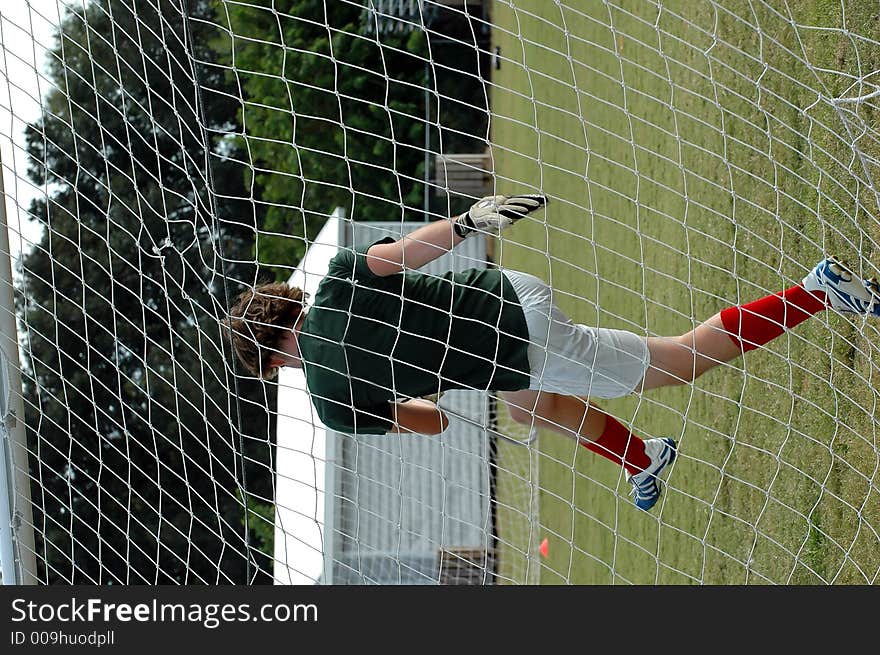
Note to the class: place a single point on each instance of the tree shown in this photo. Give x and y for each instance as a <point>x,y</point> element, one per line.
<point>332,118</point>
<point>135,420</point>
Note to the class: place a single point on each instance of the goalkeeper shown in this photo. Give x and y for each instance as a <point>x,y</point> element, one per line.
<point>381,337</point>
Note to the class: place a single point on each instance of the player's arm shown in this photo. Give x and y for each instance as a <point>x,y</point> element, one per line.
<point>414,250</point>
<point>418,415</point>
<point>490,215</point>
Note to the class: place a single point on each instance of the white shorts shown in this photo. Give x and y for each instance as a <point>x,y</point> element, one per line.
<point>573,359</point>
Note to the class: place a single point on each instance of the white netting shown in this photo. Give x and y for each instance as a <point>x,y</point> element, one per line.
<point>160,156</point>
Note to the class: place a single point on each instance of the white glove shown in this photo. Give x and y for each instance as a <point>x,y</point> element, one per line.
<point>495,213</point>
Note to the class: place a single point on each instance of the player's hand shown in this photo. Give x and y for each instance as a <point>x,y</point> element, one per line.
<point>495,213</point>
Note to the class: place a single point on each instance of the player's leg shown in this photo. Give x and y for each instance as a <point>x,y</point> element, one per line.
<point>569,363</point>
<point>571,416</point>
<point>681,359</point>
<point>739,329</point>
<point>598,432</point>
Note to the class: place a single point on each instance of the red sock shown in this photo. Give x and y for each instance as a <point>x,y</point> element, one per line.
<point>621,447</point>
<point>761,321</point>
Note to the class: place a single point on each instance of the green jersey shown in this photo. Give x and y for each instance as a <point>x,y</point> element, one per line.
<point>367,340</point>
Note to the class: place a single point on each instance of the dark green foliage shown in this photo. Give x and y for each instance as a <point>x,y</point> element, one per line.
<point>331,118</point>
<point>132,413</point>
<point>163,199</point>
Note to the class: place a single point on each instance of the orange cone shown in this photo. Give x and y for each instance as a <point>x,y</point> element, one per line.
<point>545,548</point>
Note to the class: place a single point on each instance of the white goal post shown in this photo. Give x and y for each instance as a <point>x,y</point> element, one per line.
<point>161,157</point>
<point>17,554</point>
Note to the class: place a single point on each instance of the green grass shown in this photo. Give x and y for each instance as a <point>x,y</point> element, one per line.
<point>680,186</point>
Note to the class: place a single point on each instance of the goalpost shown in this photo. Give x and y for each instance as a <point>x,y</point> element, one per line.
<point>698,155</point>
<point>17,554</point>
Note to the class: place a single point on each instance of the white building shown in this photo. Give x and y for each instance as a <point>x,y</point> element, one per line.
<point>371,509</point>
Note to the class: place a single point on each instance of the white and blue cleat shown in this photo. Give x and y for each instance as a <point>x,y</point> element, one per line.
<point>647,484</point>
<point>843,290</point>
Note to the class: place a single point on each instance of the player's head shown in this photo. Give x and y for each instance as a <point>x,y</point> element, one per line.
<point>258,321</point>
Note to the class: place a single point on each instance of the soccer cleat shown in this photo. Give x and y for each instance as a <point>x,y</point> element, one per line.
<point>843,291</point>
<point>646,485</point>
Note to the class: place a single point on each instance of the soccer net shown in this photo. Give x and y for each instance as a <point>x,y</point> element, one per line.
<point>161,156</point>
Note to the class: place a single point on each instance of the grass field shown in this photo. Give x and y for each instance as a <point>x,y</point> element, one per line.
<point>693,165</point>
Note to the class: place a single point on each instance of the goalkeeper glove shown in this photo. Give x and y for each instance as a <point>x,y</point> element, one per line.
<point>495,213</point>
